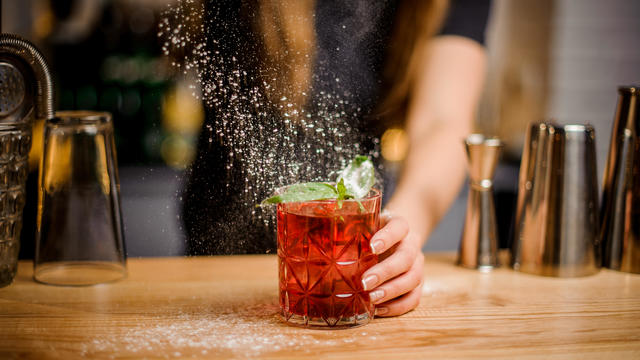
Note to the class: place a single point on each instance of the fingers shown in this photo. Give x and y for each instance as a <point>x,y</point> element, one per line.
<point>395,283</point>
<point>397,263</point>
<point>401,305</point>
<point>401,284</point>
<point>394,230</point>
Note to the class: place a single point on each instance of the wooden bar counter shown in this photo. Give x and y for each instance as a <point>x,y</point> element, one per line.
<point>226,307</point>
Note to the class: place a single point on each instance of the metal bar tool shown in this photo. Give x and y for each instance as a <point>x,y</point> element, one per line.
<point>479,244</point>
<point>556,225</point>
<point>620,212</point>
<point>26,92</point>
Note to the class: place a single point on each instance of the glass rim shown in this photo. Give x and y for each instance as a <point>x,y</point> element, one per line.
<point>373,195</point>
<point>71,118</point>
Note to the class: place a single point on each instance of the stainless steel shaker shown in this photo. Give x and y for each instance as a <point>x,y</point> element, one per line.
<point>479,243</point>
<point>620,212</point>
<point>556,229</point>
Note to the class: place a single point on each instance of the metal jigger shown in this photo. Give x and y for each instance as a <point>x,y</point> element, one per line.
<point>479,244</point>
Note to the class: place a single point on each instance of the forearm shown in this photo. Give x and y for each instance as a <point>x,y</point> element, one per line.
<point>430,181</point>
<point>440,116</point>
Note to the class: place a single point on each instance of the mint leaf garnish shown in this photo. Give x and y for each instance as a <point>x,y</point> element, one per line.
<point>304,192</point>
<point>342,193</point>
<point>355,182</point>
<point>358,177</point>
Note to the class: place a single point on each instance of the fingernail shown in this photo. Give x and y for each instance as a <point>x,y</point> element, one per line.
<point>377,246</point>
<point>369,282</point>
<point>382,310</point>
<point>376,295</point>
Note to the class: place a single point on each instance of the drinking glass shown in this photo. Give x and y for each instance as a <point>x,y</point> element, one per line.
<point>15,142</point>
<point>79,235</point>
<point>323,250</point>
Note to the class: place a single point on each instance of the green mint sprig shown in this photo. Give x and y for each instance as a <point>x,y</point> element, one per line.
<point>354,182</point>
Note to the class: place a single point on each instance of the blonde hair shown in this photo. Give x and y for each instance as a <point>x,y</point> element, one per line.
<point>416,23</point>
<point>287,28</point>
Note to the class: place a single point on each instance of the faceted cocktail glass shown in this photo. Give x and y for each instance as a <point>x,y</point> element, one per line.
<point>323,250</point>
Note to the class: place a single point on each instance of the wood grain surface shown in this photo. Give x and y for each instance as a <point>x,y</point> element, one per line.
<point>226,307</point>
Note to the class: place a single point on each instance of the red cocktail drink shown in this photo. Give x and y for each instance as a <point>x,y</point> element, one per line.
<point>323,250</point>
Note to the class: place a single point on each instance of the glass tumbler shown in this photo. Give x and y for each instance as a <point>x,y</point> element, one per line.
<point>323,250</point>
<point>15,142</point>
<point>79,235</point>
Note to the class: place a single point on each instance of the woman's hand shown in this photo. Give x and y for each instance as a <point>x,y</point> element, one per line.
<point>395,283</point>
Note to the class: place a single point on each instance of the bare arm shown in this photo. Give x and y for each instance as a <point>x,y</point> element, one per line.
<point>443,104</point>
<point>441,112</point>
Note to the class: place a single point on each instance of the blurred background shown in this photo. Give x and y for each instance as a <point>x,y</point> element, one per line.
<point>560,59</point>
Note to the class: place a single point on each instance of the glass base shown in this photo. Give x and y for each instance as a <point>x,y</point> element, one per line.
<point>321,323</point>
<point>79,273</point>
<point>7,273</point>
<point>8,261</point>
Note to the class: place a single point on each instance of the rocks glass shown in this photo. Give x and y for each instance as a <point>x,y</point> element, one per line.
<point>323,250</point>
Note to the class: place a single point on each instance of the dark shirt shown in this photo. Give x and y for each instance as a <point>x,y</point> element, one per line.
<point>467,18</point>
<point>351,41</point>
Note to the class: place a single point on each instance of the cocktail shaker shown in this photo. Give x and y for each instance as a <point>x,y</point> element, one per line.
<point>620,212</point>
<point>479,243</point>
<point>556,229</point>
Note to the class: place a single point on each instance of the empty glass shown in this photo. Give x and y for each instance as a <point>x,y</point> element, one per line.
<point>79,235</point>
<point>15,142</point>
